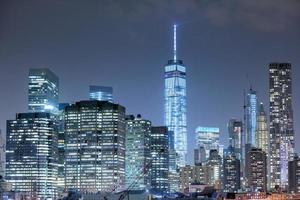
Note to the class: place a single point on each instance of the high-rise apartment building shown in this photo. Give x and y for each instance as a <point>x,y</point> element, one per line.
<point>257,167</point>
<point>208,138</point>
<point>159,172</point>
<point>138,155</point>
<point>95,146</point>
<point>101,93</point>
<point>43,91</point>
<point>282,138</point>
<point>175,103</point>
<point>31,155</point>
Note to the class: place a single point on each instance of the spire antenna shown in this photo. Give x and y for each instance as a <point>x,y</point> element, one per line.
<point>175,45</point>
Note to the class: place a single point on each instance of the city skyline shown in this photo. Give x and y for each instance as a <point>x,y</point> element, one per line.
<point>204,107</point>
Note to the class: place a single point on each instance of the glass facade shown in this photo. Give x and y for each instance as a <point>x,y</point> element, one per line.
<point>235,128</point>
<point>208,138</point>
<point>95,146</point>
<point>175,106</point>
<point>160,160</point>
<point>31,155</point>
<point>138,157</point>
<point>251,123</point>
<point>282,140</point>
<point>101,93</point>
<point>43,91</point>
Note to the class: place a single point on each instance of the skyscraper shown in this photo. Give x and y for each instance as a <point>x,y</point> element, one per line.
<point>262,134</point>
<point>199,155</point>
<point>208,138</point>
<point>61,146</point>
<point>282,140</point>
<point>175,103</point>
<point>159,172</point>
<point>2,154</point>
<point>101,93</point>
<point>294,175</point>
<point>137,156</point>
<point>31,155</point>
<point>257,167</point>
<point>235,128</point>
<point>215,163</point>
<point>231,170</point>
<point>43,91</point>
<point>251,123</point>
<point>95,146</point>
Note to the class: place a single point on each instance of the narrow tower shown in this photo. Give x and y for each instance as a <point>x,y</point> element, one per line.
<point>175,103</point>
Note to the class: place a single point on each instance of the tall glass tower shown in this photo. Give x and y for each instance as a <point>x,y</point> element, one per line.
<point>43,89</point>
<point>251,118</point>
<point>282,136</point>
<point>175,103</point>
<point>101,93</point>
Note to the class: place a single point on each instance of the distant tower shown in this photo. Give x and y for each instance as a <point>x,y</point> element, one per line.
<point>101,93</point>
<point>282,137</point>
<point>251,118</point>
<point>175,103</point>
<point>208,138</point>
<point>262,134</point>
<point>43,91</point>
<point>235,130</point>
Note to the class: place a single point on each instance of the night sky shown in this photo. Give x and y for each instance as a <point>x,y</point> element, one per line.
<point>125,44</point>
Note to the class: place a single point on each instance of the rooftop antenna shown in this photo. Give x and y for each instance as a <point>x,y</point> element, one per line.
<point>174,47</point>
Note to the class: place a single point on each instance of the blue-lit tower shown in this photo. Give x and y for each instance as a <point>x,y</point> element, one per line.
<point>251,118</point>
<point>175,103</point>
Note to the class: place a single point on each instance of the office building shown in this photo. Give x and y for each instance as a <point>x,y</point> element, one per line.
<point>262,133</point>
<point>175,104</point>
<point>43,91</point>
<point>2,154</point>
<point>61,147</point>
<point>95,146</point>
<point>294,175</point>
<point>231,170</point>
<point>159,173</point>
<point>101,93</point>
<point>31,155</point>
<point>251,115</point>
<point>235,130</point>
<point>214,163</point>
<point>193,174</point>
<point>257,167</point>
<point>137,154</point>
<point>173,168</point>
<point>199,155</point>
<point>208,138</point>
<point>282,138</point>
